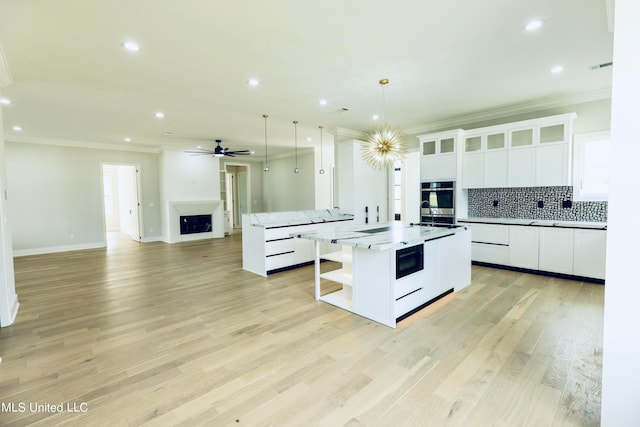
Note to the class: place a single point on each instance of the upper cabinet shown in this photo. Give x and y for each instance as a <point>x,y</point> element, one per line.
<point>522,154</point>
<point>439,159</point>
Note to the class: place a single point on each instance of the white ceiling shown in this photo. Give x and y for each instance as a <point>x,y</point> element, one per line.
<point>73,80</point>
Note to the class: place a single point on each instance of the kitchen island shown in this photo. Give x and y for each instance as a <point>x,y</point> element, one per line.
<point>389,271</point>
<point>267,242</point>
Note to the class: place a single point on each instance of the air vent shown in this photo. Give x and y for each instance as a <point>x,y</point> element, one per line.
<point>603,65</point>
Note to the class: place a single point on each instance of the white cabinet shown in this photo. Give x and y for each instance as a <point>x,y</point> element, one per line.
<point>521,169</point>
<point>268,248</point>
<point>362,191</point>
<point>589,253</point>
<point>523,246</point>
<point>539,153</point>
<point>439,156</point>
<point>521,154</point>
<point>490,243</point>
<point>495,171</point>
<point>556,250</point>
<point>484,160</point>
<point>455,256</point>
<point>552,165</point>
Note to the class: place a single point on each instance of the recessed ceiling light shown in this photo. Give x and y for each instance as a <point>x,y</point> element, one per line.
<point>17,128</point>
<point>309,139</point>
<point>5,101</point>
<point>253,82</point>
<point>375,117</point>
<point>167,133</point>
<point>557,69</point>
<point>323,102</point>
<point>159,115</point>
<point>131,46</point>
<point>127,139</point>
<point>533,25</point>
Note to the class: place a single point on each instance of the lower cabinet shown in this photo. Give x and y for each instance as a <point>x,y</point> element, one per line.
<point>556,250</point>
<point>490,243</point>
<point>589,253</point>
<point>523,246</point>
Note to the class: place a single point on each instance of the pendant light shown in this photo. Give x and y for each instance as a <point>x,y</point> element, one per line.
<point>321,171</point>
<point>384,145</point>
<point>266,159</point>
<point>295,125</point>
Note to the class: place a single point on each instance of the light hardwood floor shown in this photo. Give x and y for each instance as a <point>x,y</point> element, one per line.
<point>179,335</point>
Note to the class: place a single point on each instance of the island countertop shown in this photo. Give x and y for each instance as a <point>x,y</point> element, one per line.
<point>381,237</point>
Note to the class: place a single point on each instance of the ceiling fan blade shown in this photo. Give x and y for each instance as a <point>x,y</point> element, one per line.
<point>240,152</point>
<point>200,152</point>
<point>229,154</point>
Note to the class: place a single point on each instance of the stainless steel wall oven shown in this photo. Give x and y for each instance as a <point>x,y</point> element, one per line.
<point>438,202</point>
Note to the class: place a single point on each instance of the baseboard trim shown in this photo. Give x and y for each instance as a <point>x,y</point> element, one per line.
<point>540,272</point>
<point>54,249</point>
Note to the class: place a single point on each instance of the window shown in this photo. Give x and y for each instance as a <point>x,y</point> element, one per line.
<point>591,156</point>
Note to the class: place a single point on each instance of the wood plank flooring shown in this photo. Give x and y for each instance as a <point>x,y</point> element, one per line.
<point>179,335</point>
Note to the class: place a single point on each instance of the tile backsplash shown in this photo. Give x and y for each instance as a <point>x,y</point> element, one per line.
<point>554,203</point>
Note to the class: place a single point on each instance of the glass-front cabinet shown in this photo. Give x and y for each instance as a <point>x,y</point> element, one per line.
<point>439,155</point>
<point>521,154</point>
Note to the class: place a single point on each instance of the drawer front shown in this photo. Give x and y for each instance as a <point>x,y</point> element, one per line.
<point>490,233</point>
<point>279,261</point>
<point>409,302</point>
<point>278,233</point>
<point>279,246</point>
<point>494,254</point>
<point>408,284</point>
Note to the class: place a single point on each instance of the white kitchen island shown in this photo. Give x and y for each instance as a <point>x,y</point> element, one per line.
<point>390,271</point>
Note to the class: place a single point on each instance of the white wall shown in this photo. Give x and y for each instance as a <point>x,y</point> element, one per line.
<point>188,178</point>
<point>284,190</point>
<point>8,296</point>
<point>57,193</point>
<point>621,342</point>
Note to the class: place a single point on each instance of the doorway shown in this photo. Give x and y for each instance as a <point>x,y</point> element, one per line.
<point>121,203</point>
<point>238,192</point>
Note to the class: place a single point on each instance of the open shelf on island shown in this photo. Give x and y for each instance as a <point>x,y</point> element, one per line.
<point>338,299</point>
<point>341,275</point>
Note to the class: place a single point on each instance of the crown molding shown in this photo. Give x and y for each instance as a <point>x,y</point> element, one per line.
<point>81,144</point>
<point>510,110</point>
<point>5,75</point>
<point>344,134</point>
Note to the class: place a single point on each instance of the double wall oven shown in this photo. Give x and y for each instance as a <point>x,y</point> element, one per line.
<point>438,202</point>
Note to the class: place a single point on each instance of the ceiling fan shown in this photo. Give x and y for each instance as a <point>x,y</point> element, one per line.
<point>221,152</point>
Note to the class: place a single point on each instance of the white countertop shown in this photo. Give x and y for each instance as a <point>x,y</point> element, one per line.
<point>393,235</point>
<point>292,218</point>
<point>536,222</point>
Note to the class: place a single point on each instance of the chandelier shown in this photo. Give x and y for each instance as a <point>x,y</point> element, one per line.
<point>384,144</point>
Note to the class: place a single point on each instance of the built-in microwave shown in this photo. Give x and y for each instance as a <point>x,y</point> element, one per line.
<point>438,202</point>
<point>409,260</point>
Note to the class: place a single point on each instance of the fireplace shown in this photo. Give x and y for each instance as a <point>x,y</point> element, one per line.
<point>194,220</point>
<point>191,224</point>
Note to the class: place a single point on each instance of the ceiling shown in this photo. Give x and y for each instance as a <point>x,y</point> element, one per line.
<point>72,80</point>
